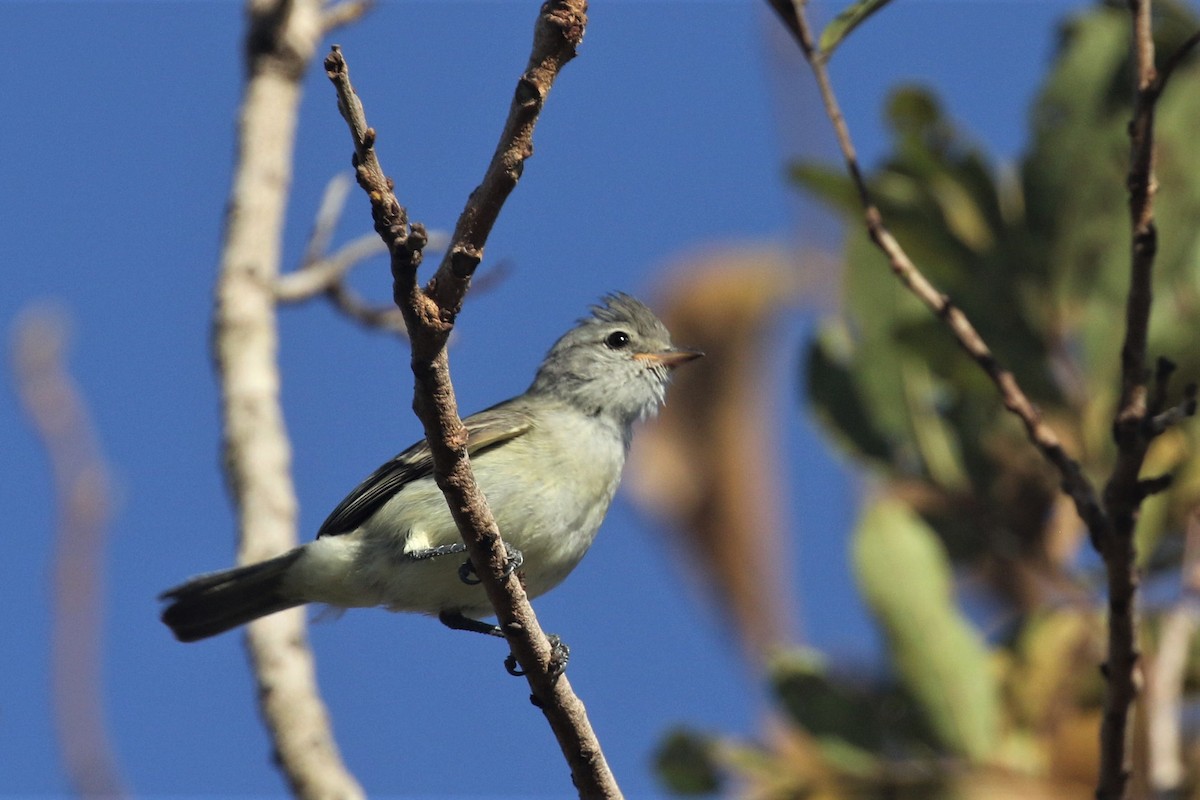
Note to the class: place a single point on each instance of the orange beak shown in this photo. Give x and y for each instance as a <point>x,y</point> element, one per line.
<point>671,358</point>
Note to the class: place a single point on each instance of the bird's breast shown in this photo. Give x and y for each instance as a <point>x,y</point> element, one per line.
<point>548,489</point>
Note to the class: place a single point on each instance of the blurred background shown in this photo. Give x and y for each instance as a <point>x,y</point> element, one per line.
<point>835,567</point>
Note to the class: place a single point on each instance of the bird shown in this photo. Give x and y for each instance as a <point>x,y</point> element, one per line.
<point>548,461</point>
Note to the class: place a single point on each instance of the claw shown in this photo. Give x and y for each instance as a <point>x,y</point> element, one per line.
<point>513,561</point>
<point>466,574</point>
<point>560,654</point>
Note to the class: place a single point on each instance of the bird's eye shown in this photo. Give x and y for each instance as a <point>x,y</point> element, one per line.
<point>617,340</point>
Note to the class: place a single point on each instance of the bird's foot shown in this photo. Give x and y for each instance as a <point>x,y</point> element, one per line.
<point>560,654</point>
<point>515,558</point>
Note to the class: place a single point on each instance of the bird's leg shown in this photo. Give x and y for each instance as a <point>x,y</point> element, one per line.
<point>466,572</point>
<point>434,552</point>
<point>515,558</point>
<point>456,621</point>
<point>559,652</point>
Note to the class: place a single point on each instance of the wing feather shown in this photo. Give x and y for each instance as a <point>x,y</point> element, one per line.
<point>485,430</point>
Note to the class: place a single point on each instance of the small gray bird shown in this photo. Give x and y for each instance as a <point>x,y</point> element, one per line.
<point>548,460</point>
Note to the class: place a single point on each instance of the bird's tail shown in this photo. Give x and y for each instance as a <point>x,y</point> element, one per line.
<point>214,603</point>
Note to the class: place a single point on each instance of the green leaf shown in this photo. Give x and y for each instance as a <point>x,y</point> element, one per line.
<point>935,439</point>
<point>823,707</point>
<point>685,763</point>
<point>941,660</point>
<point>836,397</point>
<point>853,721</point>
<point>830,184</point>
<point>850,18</point>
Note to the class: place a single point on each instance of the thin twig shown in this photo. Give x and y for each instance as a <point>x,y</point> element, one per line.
<point>280,42</point>
<point>337,15</point>
<point>430,315</point>
<point>319,276</point>
<point>329,213</point>
<point>323,274</point>
<point>1142,188</point>
<point>387,318</point>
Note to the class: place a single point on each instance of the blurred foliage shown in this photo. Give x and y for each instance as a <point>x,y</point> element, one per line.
<point>1005,701</point>
<point>1039,261</point>
<point>952,682</point>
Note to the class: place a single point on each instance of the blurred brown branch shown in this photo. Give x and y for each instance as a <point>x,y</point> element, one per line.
<point>281,39</point>
<point>58,413</point>
<point>322,273</point>
<point>430,314</point>
<point>709,465</point>
<point>1165,687</point>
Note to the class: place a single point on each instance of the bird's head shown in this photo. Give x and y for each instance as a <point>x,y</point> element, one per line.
<point>615,362</point>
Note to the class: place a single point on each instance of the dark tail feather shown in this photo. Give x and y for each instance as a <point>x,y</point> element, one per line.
<point>213,603</point>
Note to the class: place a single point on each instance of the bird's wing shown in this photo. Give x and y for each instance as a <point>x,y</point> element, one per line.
<point>485,430</point>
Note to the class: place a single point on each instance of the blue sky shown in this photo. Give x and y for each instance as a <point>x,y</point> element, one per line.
<point>668,134</point>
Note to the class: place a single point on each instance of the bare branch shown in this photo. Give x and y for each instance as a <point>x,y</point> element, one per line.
<point>280,42</point>
<point>83,507</point>
<point>1142,188</point>
<point>430,315</point>
<point>1153,426</point>
<point>324,275</point>
<point>1164,696</point>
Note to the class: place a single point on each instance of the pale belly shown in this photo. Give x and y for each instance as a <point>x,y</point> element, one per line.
<point>552,522</point>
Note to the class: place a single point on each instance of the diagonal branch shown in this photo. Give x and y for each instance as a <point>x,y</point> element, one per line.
<point>430,314</point>
<point>558,32</point>
<point>1075,483</point>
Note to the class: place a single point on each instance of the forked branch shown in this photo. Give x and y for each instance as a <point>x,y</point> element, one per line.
<point>430,314</point>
